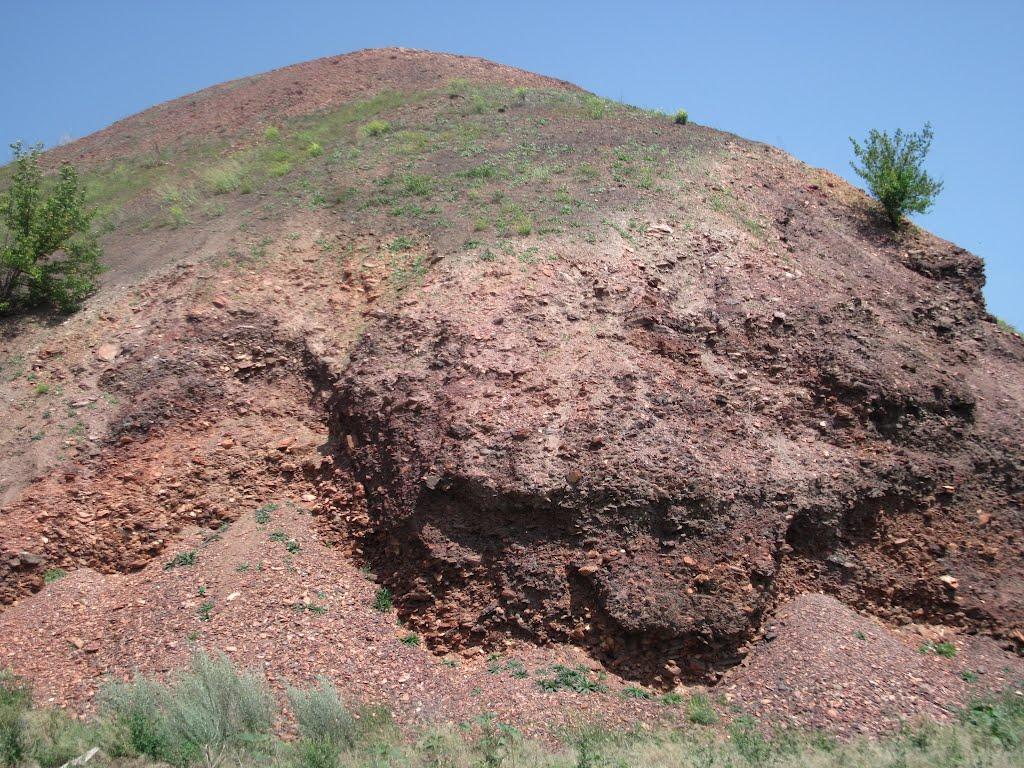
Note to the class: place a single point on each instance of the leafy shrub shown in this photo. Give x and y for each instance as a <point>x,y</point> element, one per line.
<point>375,128</point>
<point>682,117</point>
<point>48,255</point>
<point>326,727</point>
<point>891,166</point>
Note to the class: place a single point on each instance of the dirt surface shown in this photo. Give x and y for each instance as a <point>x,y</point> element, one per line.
<point>578,386</point>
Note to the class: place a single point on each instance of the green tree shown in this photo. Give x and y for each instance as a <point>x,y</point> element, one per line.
<point>48,255</point>
<point>891,166</point>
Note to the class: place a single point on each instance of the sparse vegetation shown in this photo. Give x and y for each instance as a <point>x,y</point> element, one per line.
<point>48,253</point>
<point>53,574</point>
<point>263,513</point>
<point>181,559</point>
<point>375,128</point>
<point>383,601</point>
<point>945,649</point>
<point>892,168</point>
<point>578,679</point>
<point>700,710</point>
<point>212,715</point>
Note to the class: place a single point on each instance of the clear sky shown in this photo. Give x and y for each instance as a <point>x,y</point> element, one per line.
<point>801,75</point>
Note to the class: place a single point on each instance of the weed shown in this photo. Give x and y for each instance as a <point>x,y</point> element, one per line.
<point>594,107</point>
<point>319,610</point>
<point>700,710</point>
<point>15,701</point>
<point>292,546</point>
<point>576,679</point>
<point>400,243</point>
<point>420,186</point>
<point>375,128</point>
<point>314,149</point>
<point>968,676</point>
<point>205,610</point>
<point>635,692</point>
<point>242,568</point>
<point>672,699</point>
<point>326,727</point>
<point>411,639</point>
<point>383,600</point>
<point>176,217</point>
<point>53,574</point>
<point>181,559</point>
<point>271,133</point>
<point>945,649</point>
<point>42,389</point>
<point>682,117</point>
<point>263,513</point>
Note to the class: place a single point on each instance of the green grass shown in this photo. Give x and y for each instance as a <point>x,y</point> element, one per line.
<point>700,710</point>
<point>53,574</point>
<point>383,600</point>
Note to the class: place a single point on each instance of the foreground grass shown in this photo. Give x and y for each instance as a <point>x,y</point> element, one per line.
<point>212,715</point>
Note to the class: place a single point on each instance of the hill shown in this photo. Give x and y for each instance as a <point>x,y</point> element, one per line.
<point>567,382</point>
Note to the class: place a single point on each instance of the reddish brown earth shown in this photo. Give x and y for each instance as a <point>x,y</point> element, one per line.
<point>773,453</point>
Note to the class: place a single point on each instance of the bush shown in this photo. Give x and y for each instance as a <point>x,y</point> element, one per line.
<point>326,727</point>
<point>137,712</point>
<point>15,700</point>
<point>891,166</point>
<point>47,253</point>
<point>682,117</point>
<point>210,711</point>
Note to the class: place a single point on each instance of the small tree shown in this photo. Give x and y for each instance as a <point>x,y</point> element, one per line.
<point>47,252</point>
<point>891,166</point>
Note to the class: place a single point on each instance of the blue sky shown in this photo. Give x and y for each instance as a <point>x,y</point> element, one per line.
<point>801,75</point>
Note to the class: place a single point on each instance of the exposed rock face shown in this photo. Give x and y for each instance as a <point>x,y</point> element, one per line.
<point>641,448</point>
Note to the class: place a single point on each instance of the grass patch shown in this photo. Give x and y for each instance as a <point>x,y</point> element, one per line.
<point>383,600</point>
<point>700,710</point>
<point>53,574</point>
